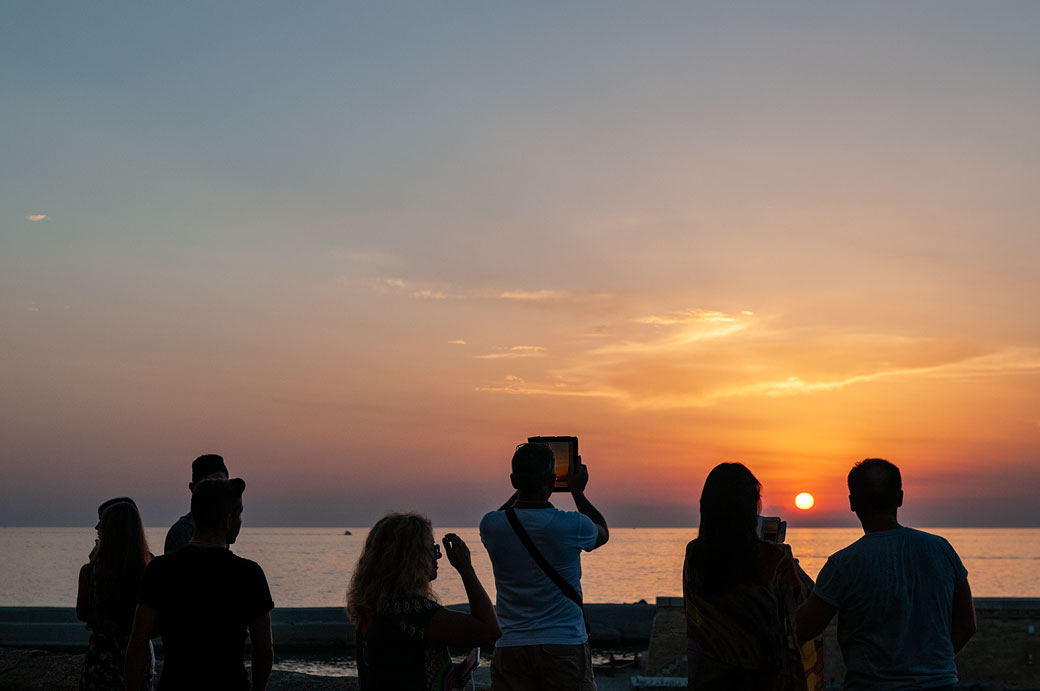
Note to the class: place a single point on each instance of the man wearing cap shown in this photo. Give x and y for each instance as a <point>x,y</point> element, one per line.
<point>203,600</point>
<point>209,466</point>
<point>544,642</point>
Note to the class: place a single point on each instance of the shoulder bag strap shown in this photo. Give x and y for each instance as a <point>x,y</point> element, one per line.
<point>566,588</point>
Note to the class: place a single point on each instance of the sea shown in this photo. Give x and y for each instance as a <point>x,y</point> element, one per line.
<point>311,567</point>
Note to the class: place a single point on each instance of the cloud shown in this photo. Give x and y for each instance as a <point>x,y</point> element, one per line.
<point>457,341</point>
<point>692,316</point>
<point>425,294</point>
<point>37,217</point>
<point>395,282</point>
<point>696,358</point>
<point>520,351</point>
<point>531,295</point>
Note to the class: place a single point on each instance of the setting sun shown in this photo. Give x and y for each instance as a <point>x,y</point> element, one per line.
<point>804,501</point>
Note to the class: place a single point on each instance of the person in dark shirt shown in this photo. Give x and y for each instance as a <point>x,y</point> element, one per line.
<point>203,600</point>
<point>403,634</point>
<point>208,466</point>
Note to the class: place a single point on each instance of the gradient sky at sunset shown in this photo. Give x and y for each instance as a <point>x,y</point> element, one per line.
<point>363,250</point>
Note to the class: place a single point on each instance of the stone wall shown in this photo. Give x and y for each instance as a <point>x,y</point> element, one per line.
<point>1004,651</point>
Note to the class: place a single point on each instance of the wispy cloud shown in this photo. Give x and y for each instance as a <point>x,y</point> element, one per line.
<point>37,217</point>
<point>457,341</point>
<point>520,351</point>
<point>531,295</point>
<point>698,358</point>
<point>692,316</point>
<point>426,294</point>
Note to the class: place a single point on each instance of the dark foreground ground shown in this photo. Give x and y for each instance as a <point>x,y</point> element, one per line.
<point>32,670</point>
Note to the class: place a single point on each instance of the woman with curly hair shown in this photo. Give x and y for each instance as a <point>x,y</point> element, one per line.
<point>741,593</point>
<point>402,633</point>
<point>107,596</point>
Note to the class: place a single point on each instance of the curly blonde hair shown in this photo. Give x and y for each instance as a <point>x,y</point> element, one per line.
<point>394,563</point>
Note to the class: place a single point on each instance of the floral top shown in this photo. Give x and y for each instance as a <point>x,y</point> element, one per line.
<point>392,651</point>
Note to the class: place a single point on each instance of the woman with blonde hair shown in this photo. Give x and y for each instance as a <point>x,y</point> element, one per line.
<point>402,633</point>
<point>107,595</point>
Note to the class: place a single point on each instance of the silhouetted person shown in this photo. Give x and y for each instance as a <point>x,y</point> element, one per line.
<point>544,643</point>
<point>902,596</point>
<point>107,595</point>
<point>402,634</point>
<point>209,466</point>
<point>97,526</point>
<point>203,600</point>
<point>740,592</point>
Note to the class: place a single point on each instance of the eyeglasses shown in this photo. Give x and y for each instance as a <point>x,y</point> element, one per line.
<point>436,551</point>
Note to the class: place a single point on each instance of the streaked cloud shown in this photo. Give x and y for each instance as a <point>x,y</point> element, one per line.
<point>531,295</point>
<point>697,358</point>
<point>520,351</point>
<point>37,217</point>
<point>426,294</point>
<point>691,316</point>
<point>457,341</point>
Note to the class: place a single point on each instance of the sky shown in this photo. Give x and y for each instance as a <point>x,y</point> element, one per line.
<point>364,249</point>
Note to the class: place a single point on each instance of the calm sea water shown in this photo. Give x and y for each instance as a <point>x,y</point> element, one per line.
<point>310,567</point>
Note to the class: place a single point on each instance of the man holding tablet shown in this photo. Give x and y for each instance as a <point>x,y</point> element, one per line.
<point>535,552</point>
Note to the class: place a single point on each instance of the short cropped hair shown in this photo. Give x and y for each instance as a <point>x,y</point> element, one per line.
<point>875,484</point>
<point>533,463</point>
<point>213,500</point>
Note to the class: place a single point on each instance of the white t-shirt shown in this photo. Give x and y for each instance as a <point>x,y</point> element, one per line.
<point>531,608</point>
<point>894,594</point>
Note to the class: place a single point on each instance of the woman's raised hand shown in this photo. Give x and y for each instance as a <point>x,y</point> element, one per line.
<point>457,552</point>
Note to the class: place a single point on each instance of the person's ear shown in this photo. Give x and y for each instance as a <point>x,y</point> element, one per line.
<point>852,504</point>
<point>512,481</point>
<point>191,486</point>
<point>899,499</point>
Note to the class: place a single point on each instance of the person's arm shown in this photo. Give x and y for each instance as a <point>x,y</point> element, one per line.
<point>812,618</point>
<point>479,627</point>
<point>962,626</point>
<point>577,482</point>
<point>137,658</point>
<point>261,641</point>
<point>83,595</point>
<point>509,502</point>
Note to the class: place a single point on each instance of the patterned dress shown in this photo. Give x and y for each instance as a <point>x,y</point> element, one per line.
<point>742,636</point>
<point>393,653</point>
<point>106,650</point>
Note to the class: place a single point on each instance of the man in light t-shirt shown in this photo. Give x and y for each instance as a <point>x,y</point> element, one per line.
<point>902,595</point>
<point>544,644</point>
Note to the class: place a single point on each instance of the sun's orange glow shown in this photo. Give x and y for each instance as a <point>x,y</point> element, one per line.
<point>804,501</point>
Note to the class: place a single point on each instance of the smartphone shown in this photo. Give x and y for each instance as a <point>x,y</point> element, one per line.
<point>771,529</point>
<point>566,451</point>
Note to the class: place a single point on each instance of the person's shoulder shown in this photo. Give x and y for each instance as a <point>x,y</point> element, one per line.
<point>491,521</point>
<point>245,564</point>
<point>412,604</point>
<point>930,539</point>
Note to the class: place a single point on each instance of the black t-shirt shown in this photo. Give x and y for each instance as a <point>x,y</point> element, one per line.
<point>205,598</point>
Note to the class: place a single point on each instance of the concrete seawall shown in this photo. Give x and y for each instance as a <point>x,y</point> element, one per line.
<point>1006,648</point>
<point>301,627</point>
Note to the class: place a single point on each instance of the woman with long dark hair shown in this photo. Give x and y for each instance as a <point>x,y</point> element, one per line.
<point>402,633</point>
<point>107,596</point>
<point>740,593</point>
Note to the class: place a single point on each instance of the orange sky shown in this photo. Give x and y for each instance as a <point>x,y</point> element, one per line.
<point>363,260</point>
